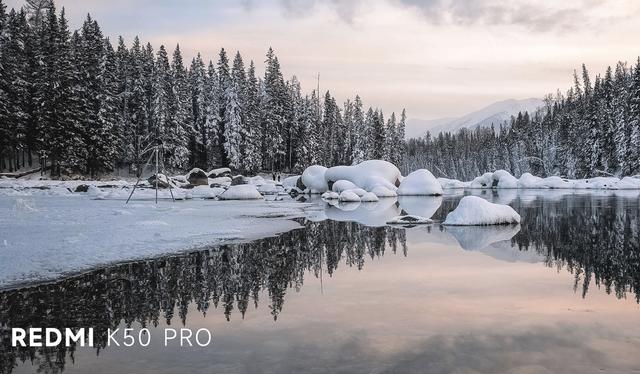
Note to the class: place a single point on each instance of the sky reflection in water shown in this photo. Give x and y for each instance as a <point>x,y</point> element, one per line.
<point>555,294</point>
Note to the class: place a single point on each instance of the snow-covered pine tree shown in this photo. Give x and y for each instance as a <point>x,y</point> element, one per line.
<point>359,134</point>
<point>401,146</point>
<point>634,121</point>
<point>378,136</point>
<point>212,112</point>
<point>224,82</point>
<point>179,126</point>
<point>390,139</point>
<point>252,126</point>
<point>198,114</point>
<point>620,106</point>
<point>163,95</point>
<point>233,133</point>
<point>273,112</point>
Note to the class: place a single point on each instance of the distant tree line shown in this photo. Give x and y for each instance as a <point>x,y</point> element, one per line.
<point>592,130</point>
<point>92,108</point>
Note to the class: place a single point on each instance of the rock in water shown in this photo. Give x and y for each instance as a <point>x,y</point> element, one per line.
<point>473,211</point>
<point>198,177</point>
<point>239,180</point>
<point>163,182</point>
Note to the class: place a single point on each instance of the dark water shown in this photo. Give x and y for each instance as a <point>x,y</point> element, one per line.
<point>557,294</point>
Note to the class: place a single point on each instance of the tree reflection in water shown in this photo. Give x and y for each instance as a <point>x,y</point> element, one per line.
<point>594,237</point>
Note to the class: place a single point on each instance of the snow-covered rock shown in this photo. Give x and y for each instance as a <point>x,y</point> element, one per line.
<point>163,181</point>
<point>529,181</point>
<point>220,172</point>
<point>382,191</point>
<point>342,185</point>
<point>359,191</point>
<point>409,220</point>
<point>504,179</point>
<point>473,210</point>
<point>366,175</point>
<point>447,183</point>
<point>629,183</point>
<point>313,179</point>
<point>420,183</point>
<point>483,181</point>
<point>330,195</point>
<point>349,197</point>
<point>241,192</point>
<point>220,182</point>
<point>197,177</point>
<point>369,197</point>
<point>290,183</point>
<point>268,188</point>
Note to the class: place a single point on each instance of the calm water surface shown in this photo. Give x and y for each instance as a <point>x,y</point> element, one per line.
<point>347,294</point>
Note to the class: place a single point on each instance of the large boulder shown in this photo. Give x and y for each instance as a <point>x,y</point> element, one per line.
<point>420,183</point>
<point>239,180</point>
<point>197,177</point>
<point>366,175</point>
<point>220,172</point>
<point>163,181</point>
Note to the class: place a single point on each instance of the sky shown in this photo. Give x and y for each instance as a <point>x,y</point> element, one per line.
<point>436,58</point>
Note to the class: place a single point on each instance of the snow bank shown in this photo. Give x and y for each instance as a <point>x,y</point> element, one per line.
<point>366,175</point>
<point>74,233</point>
<point>314,180</point>
<point>349,197</point>
<point>447,183</point>
<point>330,195</point>
<point>369,197</point>
<point>241,192</point>
<point>409,220</point>
<point>504,179</point>
<point>420,183</point>
<point>483,181</point>
<point>343,185</point>
<point>473,210</point>
<point>382,191</point>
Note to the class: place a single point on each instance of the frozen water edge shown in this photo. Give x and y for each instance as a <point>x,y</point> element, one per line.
<point>43,237</point>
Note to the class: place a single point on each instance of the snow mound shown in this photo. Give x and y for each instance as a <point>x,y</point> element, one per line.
<point>220,172</point>
<point>349,197</point>
<point>382,191</point>
<point>447,183</point>
<point>473,210</point>
<point>366,175</point>
<point>220,181</point>
<point>290,182</point>
<point>369,197</point>
<point>330,195</point>
<point>409,220</point>
<point>241,192</point>
<point>420,183</point>
<point>504,179</point>
<point>268,188</point>
<point>529,181</point>
<point>483,181</point>
<point>359,191</point>
<point>314,180</point>
<point>343,185</point>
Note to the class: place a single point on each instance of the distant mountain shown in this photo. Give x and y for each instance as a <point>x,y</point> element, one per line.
<point>495,113</point>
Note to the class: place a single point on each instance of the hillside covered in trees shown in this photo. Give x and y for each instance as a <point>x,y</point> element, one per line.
<point>594,129</point>
<point>92,107</point>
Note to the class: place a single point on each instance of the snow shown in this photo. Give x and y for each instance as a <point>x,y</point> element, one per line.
<point>504,179</point>
<point>483,181</point>
<point>473,210</point>
<point>367,174</point>
<point>218,172</point>
<point>420,183</point>
<point>49,236</point>
<point>330,195</point>
<point>447,183</point>
<point>409,220</point>
<point>474,238</point>
<point>368,214</point>
<point>222,181</point>
<point>241,192</point>
<point>382,191</point>
<point>313,179</point>
<point>369,197</point>
<point>290,182</point>
<point>342,185</point>
<point>349,196</point>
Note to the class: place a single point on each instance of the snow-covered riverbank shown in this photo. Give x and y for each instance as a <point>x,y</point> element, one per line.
<point>43,236</point>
